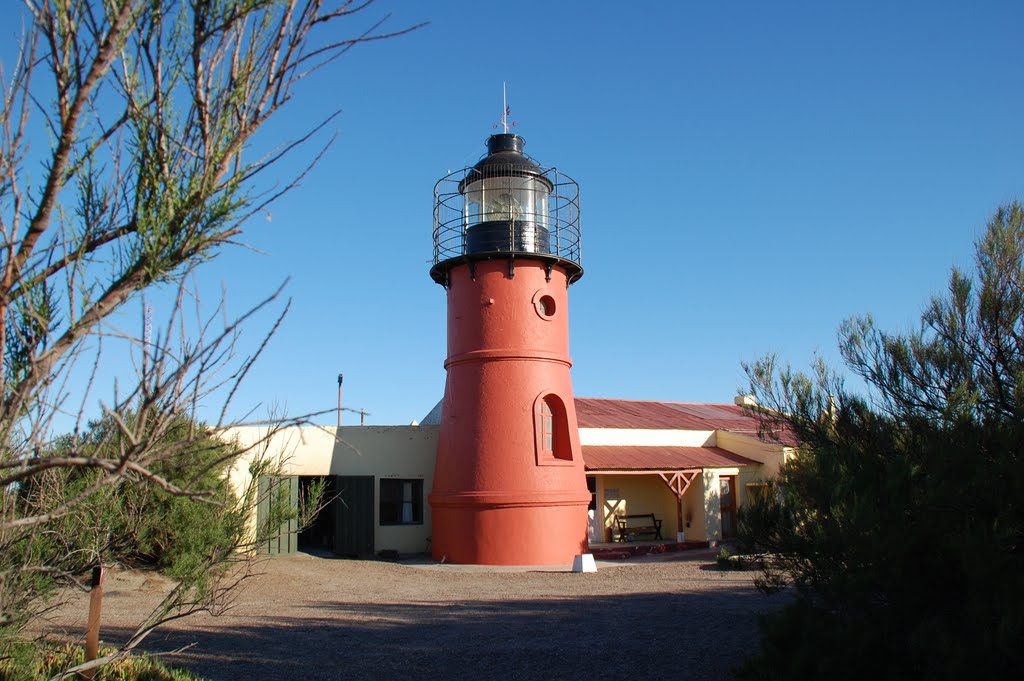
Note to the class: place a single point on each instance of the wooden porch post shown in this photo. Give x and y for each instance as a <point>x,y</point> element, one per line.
<point>679,482</point>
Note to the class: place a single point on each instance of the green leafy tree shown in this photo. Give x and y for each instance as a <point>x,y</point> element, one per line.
<point>899,524</point>
<point>136,523</point>
<point>130,154</point>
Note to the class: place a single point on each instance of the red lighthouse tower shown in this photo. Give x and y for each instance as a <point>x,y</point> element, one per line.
<point>509,485</point>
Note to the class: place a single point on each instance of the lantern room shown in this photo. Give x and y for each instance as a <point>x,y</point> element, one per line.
<point>506,206</point>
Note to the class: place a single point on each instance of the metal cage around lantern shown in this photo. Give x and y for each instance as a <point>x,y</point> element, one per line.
<point>514,220</point>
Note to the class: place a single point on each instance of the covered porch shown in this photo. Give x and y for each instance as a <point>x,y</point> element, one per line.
<point>674,497</point>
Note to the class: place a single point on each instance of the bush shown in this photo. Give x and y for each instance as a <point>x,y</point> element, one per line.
<point>135,521</point>
<point>41,660</point>
<point>202,542</point>
<point>132,521</point>
<point>899,522</point>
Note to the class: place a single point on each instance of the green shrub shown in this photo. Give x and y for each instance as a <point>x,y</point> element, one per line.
<point>132,521</point>
<point>41,660</point>
<point>898,524</point>
<point>136,522</point>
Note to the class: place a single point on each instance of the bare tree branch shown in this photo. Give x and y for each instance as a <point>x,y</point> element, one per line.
<point>148,117</point>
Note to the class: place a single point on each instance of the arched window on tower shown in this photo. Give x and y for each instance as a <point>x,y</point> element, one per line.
<point>547,427</point>
<point>553,442</point>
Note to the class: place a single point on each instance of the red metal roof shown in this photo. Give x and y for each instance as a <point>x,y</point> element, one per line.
<point>596,412</point>
<point>626,457</point>
<point>606,413</point>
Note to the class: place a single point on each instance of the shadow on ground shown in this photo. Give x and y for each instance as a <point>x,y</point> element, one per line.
<point>645,635</point>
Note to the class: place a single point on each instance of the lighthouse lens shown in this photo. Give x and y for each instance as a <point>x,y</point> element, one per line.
<point>504,207</point>
<point>519,199</point>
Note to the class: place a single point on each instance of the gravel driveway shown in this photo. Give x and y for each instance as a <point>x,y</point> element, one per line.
<point>306,617</point>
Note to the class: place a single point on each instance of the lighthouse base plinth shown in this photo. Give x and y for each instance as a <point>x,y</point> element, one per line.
<point>508,532</point>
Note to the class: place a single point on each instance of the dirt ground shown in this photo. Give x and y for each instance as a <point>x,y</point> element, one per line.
<point>308,617</point>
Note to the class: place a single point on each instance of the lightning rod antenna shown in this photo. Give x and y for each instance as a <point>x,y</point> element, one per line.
<point>506,111</point>
<point>504,107</point>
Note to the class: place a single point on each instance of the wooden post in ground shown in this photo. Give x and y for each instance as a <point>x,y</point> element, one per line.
<point>92,633</point>
<point>679,482</point>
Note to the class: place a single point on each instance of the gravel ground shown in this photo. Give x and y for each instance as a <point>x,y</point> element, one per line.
<point>305,617</point>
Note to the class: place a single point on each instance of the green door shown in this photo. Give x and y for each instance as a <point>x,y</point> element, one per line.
<point>279,496</point>
<point>354,515</point>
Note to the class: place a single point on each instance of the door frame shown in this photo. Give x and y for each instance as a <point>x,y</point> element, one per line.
<point>728,531</point>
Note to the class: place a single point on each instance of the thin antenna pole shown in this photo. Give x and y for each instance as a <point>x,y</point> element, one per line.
<point>341,378</point>
<point>504,107</point>
<point>506,111</point>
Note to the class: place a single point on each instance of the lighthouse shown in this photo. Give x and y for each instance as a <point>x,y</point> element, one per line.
<point>509,483</point>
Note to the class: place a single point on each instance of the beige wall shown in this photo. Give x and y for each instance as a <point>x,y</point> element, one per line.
<point>632,494</point>
<point>408,452</point>
<point>401,452</point>
<point>694,508</point>
<point>649,494</point>
<point>770,455</point>
<point>712,506</point>
<point>713,501</point>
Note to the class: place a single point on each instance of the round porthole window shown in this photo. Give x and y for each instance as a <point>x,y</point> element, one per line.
<point>545,306</point>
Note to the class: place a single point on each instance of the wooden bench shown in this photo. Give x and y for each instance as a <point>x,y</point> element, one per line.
<point>641,524</point>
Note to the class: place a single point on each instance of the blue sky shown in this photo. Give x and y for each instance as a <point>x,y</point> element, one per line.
<point>751,174</point>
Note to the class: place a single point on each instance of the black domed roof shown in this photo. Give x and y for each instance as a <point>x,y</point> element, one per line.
<point>505,158</point>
